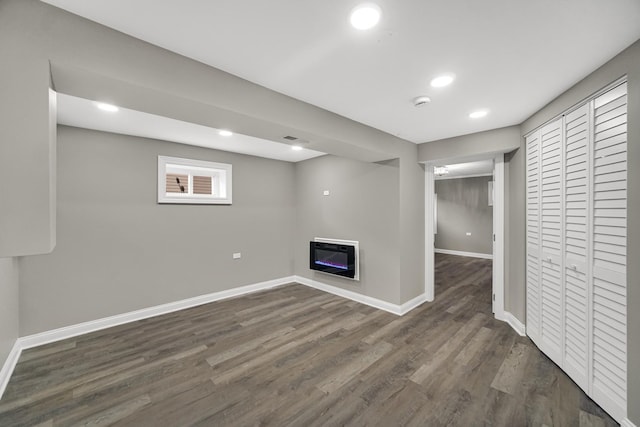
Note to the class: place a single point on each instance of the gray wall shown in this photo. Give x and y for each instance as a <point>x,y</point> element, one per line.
<point>27,144</point>
<point>48,47</point>
<point>463,206</point>
<point>627,62</point>
<point>412,255</point>
<point>90,60</point>
<point>500,140</point>
<point>363,206</point>
<point>8,306</point>
<point>118,250</point>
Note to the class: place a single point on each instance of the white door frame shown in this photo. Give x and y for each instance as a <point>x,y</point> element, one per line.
<point>429,233</point>
<point>498,231</point>
<point>498,236</point>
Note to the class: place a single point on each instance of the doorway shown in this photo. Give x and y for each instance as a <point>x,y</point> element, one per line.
<point>497,248</point>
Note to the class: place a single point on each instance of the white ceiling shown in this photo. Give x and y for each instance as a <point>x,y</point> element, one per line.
<point>461,170</point>
<point>79,112</point>
<point>510,56</point>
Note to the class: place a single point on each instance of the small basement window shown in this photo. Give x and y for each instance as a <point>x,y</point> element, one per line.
<point>193,181</point>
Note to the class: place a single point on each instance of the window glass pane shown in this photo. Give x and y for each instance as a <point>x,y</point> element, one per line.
<point>202,185</point>
<point>177,183</point>
<point>193,181</point>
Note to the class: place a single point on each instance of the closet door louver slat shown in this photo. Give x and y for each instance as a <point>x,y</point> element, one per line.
<point>533,236</point>
<point>551,199</point>
<point>609,293</point>
<point>576,212</point>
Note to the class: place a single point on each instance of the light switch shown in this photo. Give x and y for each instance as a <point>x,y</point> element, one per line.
<point>237,255</point>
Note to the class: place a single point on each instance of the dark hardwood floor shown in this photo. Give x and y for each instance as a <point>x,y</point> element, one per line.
<point>295,356</point>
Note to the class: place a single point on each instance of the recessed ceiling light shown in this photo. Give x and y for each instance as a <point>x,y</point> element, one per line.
<point>106,107</point>
<point>225,133</point>
<point>443,80</point>
<point>296,148</point>
<point>365,16</point>
<point>478,114</point>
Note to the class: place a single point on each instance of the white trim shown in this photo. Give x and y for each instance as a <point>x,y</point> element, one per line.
<point>46,337</point>
<point>463,253</point>
<point>490,193</point>
<point>498,236</point>
<point>443,177</point>
<point>71,331</point>
<point>413,303</point>
<point>396,309</point>
<point>517,325</point>
<point>627,423</point>
<point>590,237</point>
<point>9,366</point>
<point>429,232</point>
<point>498,229</point>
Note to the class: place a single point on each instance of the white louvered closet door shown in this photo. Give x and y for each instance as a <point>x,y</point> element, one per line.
<point>551,295</point>
<point>533,236</point>
<point>576,183</point>
<point>609,288</point>
<point>576,267</point>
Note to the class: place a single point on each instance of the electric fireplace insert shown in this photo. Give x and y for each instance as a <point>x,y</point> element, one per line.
<point>333,258</point>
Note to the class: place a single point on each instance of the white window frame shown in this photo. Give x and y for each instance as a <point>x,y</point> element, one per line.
<point>219,172</point>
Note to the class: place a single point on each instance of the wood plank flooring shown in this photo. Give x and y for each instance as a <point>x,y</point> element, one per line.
<point>295,356</point>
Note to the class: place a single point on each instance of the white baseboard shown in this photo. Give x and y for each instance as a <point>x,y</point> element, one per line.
<point>9,366</point>
<point>517,325</point>
<point>35,340</point>
<point>462,253</point>
<point>364,299</point>
<point>71,331</point>
<point>412,303</point>
<point>47,337</point>
<point>627,423</point>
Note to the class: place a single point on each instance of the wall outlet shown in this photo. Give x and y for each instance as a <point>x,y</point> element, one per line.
<point>325,193</point>
<point>468,233</point>
<point>237,255</point>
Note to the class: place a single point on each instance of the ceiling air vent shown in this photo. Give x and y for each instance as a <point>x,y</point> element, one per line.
<point>290,138</point>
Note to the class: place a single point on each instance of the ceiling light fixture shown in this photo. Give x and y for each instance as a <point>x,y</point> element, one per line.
<point>365,16</point>
<point>421,101</point>
<point>479,114</point>
<point>225,133</point>
<point>296,148</point>
<point>443,80</point>
<point>106,107</point>
<point>440,170</point>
